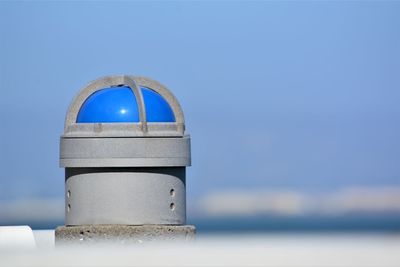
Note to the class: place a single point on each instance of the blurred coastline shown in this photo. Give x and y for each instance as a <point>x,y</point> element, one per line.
<point>353,209</point>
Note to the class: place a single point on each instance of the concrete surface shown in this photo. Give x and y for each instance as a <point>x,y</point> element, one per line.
<point>122,234</point>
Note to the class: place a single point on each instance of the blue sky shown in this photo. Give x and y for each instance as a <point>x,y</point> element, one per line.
<point>298,95</point>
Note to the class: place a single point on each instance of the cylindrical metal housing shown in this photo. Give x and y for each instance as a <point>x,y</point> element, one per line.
<point>134,196</point>
<point>125,173</point>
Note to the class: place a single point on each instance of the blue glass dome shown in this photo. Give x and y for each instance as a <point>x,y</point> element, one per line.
<point>118,104</point>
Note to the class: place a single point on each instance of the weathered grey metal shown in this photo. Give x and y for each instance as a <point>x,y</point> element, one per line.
<point>125,173</point>
<point>124,152</point>
<point>123,130</point>
<point>122,234</point>
<point>133,196</point>
<point>121,162</point>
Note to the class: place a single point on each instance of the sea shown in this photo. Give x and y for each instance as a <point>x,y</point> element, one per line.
<point>348,223</point>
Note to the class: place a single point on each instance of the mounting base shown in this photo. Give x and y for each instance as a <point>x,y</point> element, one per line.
<point>122,234</point>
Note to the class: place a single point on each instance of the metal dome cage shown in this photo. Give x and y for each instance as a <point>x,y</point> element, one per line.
<point>143,127</point>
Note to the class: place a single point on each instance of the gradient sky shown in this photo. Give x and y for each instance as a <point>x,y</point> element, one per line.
<point>276,95</point>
